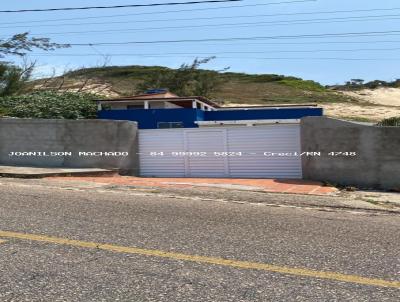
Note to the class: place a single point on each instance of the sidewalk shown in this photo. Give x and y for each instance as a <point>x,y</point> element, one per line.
<point>35,172</point>
<point>260,185</point>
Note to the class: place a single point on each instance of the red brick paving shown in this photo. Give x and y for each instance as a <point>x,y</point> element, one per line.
<point>267,185</point>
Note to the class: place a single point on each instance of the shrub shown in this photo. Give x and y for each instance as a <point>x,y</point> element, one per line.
<point>302,84</point>
<point>48,104</point>
<point>393,121</point>
<point>3,111</point>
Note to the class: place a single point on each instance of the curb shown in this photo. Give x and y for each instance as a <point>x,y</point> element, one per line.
<point>61,174</point>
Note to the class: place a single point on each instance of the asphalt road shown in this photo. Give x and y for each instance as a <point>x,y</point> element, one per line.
<point>278,254</point>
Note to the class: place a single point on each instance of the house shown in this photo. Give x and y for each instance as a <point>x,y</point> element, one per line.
<point>195,137</point>
<point>160,109</point>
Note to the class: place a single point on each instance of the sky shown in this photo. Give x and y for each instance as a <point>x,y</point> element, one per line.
<point>323,57</point>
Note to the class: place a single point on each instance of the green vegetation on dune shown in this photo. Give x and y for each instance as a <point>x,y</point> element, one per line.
<point>240,88</point>
<point>134,71</point>
<point>359,84</point>
<point>304,85</point>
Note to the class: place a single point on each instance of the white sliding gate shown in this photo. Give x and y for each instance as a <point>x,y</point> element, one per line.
<point>237,152</point>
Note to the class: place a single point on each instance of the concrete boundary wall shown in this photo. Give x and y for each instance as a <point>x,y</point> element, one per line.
<point>75,136</point>
<point>376,165</point>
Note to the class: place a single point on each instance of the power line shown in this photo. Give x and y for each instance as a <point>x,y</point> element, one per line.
<point>264,58</point>
<point>229,52</point>
<point>199,18</point>
<point>309,43</point>
<point>164,12</point>
<point>117,6</point>
<point>314,36</point>
<point>302,43</point>
<point>245,24</point>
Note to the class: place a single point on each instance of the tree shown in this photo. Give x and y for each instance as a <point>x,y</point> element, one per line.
<point>376,84</point>
<point>21,44</point>
<point>357,82</point>
<point>12,77</point>
<point>188,80</point>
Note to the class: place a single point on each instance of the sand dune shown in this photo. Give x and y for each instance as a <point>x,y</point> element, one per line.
<point>380,96</point>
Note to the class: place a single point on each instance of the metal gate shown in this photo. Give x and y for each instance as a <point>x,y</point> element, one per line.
<point>270,151</point>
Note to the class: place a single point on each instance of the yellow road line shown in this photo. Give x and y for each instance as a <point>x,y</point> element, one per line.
<point>208,260</point>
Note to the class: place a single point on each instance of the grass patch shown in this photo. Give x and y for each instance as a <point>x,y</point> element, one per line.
<point>303,85</point>
<point>371,201</point>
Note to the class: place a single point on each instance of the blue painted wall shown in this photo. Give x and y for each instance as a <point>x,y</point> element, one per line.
<point>259,114</point>
<point>148,118</point>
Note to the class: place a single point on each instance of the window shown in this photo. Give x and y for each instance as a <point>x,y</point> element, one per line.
<point>140,106</point>
<point>167,125</point>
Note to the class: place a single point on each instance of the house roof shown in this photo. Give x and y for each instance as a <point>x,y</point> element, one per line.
<point>164,96</point>
<point>270,106</point>
<point>186,101</point>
